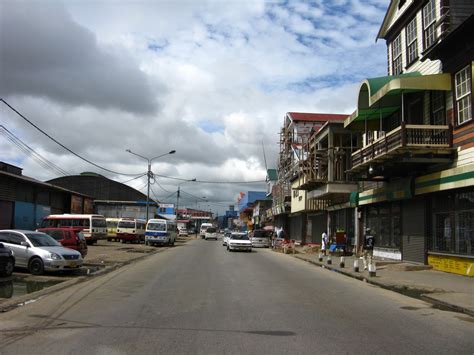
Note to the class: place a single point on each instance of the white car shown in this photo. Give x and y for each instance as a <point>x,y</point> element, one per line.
<point>183,232</point>
<point>226,238</point>
<point>211,233</point>
<point>38,252</point>
<point>239,241</point>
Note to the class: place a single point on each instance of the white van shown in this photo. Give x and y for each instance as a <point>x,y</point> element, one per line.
<point>160,232</point>
<point>203,230</point>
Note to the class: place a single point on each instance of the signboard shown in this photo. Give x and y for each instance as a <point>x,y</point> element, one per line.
<point>166,205</point>
<point>452,264</point>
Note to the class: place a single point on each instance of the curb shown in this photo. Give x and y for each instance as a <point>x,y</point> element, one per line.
<point>12,303</point>
<point>421,295</point>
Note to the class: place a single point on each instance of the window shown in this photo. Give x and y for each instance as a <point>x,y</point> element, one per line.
<point>397,55</point>
<point>429,24</point>
<point>412,43</point>
<point>438,108</point>
<point>453,222</point>
<point>463,95</point>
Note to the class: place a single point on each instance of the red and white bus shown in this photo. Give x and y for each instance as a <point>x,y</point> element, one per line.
<point>131,230</point>
<point>94,226</point>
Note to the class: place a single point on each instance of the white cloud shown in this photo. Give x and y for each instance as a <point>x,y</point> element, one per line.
<point>149,80</point>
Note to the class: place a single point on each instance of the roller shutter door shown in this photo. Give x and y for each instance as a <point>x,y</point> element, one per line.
<point>318,226</point>
<point>414,220</point>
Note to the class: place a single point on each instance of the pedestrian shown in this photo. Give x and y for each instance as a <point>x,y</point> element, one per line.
<point>324,242</point>
<point>368,248</point>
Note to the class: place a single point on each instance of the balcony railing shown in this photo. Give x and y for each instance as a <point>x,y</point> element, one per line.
<point>414,137</point>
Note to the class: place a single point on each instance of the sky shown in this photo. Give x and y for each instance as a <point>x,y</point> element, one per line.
<point>211,80</point>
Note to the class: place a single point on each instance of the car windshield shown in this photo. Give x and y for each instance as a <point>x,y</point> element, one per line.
<point>42,240</point>
<point>112,224</point>
<point>239,237</point>
<point>126,224</point>
<point>160,227</point>
<point>211,230</point>
<point>262,234</point>
<point>99,223</point>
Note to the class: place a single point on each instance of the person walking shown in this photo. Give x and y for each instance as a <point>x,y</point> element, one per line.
<point>324,242</point>
<point>368,248</point>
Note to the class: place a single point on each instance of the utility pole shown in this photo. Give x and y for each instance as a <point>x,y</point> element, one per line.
<point>178,194</point>
<point>149,174</point>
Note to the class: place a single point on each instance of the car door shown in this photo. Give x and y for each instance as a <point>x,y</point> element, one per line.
<point>21,251</point>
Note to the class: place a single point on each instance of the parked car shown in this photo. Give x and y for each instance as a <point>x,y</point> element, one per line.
<point>239,241</point>
<point>72,238</point>
<point>226,238</point>
<point>261,238</point>
<point>38,252</point>
<point>211,233</point>
<point>183,232</point>
<point>7,261</point>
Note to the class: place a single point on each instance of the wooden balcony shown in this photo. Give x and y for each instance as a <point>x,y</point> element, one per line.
<point>406,144</point>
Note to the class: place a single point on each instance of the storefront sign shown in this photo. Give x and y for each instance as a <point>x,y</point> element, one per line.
<point>452,264</point>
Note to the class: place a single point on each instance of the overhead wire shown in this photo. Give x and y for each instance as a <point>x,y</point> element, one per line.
<point>37,157</point>
<point>61,144</point>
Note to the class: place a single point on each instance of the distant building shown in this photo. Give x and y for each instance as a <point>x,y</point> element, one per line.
<point>24,201</point>
<point>111,198</point>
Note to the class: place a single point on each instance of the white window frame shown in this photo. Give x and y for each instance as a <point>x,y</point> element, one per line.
<point>411,41</point>
<point>429,24</point>
<point>463,94</point>
<point>397,63</point>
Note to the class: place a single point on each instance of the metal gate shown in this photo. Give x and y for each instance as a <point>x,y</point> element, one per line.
<point>414,230</point>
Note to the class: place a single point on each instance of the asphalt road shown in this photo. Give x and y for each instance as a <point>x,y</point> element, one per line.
<point>199,298</point>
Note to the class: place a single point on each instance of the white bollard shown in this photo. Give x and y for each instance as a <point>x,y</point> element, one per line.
<point>329,260</point>
<point>342,262</point>
<point>356,265</point>
<point>372,270</point>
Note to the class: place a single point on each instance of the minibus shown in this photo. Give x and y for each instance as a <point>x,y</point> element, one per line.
<point>94,226</point>
<point>160,232</point>
<point>131,230</point>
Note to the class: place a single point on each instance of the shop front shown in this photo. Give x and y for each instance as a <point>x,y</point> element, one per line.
<point>450,242</point>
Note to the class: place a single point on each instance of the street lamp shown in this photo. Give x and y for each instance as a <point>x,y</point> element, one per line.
<point>149,173</point>
<point>178,193</point>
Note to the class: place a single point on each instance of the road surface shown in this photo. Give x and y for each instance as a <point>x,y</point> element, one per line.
<point>199,298</point>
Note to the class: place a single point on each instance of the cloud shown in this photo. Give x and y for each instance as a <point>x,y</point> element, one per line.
<point>45,53</point>
<point>210,79</point>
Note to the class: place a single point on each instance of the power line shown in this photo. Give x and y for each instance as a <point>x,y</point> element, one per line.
<point>62,145</point>
<point>212,182</point>
<point>25,148</point>
<point>137,177</point>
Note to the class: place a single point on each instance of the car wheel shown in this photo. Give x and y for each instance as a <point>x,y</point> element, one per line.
<point>36,266</point>
<point>7,269</point>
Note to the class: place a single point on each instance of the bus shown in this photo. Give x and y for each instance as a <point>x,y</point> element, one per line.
<point>112,228</point>
<point>160,232</point>
<point>131,230</point>
<point>94,226</point>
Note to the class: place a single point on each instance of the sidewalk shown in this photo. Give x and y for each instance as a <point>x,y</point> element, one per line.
<point>444,290</point>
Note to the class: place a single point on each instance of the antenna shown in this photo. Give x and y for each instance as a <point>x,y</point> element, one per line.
<point>264,156</point>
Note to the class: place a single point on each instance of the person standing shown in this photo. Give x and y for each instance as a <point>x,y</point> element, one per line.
<point>368,248</point>
<point>324,242</point>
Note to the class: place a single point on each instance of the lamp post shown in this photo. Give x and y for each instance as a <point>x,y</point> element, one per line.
<point>178,193</point>
<point>149,173</point>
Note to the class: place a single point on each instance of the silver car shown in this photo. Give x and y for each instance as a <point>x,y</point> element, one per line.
<point>39,252</point>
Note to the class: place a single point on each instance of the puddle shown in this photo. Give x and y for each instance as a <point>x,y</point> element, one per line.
<point>16,287</point>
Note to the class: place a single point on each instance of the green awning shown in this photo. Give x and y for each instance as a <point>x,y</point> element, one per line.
<point>376,99</point>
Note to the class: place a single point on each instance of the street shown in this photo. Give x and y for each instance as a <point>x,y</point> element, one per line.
<point>199,298</point>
